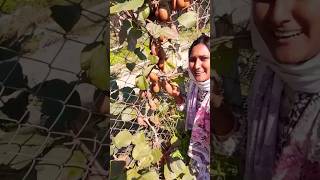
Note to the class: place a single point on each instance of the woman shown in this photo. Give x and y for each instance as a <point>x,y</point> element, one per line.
<point>289,47</point>
<point>198,106</point>
<point>282,139</point>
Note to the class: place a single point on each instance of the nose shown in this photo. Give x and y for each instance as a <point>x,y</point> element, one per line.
<point>197,64</point>
<point>280,12</point>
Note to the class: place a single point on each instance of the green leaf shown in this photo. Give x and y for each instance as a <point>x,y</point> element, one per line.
<point>125,6</point>
<point>154,29</point>
<point>141,151</point>
<point>93,59</point>
<point>122,139</point>
<point>66,16</point>
<point>153,59</point>
<point>130,66</point>
<point>152,175</point>
<point>173,140</point>
<point>26,142</point>
<point>134,35</point>
<point>129,114</point>
<point>144,13</point>
<point>178,167</point>
<point>145,162</point>
<point>117,170</point>
<point>142,83</point>
<point>49,167</point>
<point>128,94</point>
<point>188,177</point>
<point>147,70</point>
<point>169,66</point>
<point>169,175</point>
<point>169,33</point>
<point>140,54</point>
<point>124,31</point>
<point>132,174</point>
<point>139,138</point>
<point>176,154</point>
<point>157,155</point>
<point>116,108</point>
<point>7,153</point>
<point>188,19</point>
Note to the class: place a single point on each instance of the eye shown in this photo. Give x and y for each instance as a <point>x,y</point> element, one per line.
<point>192,59</point>
<point>204,58</point>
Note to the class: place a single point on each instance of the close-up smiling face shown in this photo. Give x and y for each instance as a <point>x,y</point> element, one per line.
<point>199,62</point>
<point>290,28</point>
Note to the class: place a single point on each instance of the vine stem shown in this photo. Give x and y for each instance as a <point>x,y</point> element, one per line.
<point>154,130</point>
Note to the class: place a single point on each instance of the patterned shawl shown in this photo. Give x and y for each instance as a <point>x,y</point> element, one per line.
<point>262,159</point>
<point>198,120</point>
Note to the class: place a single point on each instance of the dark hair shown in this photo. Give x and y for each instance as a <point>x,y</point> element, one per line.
<point>203,39</point>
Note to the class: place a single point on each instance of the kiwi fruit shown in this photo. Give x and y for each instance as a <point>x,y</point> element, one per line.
<point>153,77</point>
<point>155,87</point>
<point>163,14</point>
<point>182,3</point>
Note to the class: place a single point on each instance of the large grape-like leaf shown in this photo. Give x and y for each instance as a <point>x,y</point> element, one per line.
<point>145,162</point>
<point>141,151</point>
<point>122,139</point>
<point>116,108</point>
<point>142,83</point>
<point>169,33</point>
<point>157,155</point>
<point>49,167</point>
<point>151,175</point>
<point>129,114</point>
<point>168,175</point>
<point>66,16</point>
<point>139,138</point>
<point>126,6</point>
<point>154,29</point>
<point>188,19</point>
<point>132,174</point>
<point>93,60</point>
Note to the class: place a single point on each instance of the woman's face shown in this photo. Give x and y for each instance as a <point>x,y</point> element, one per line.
<point>290,28</point>
<point>199,62</point>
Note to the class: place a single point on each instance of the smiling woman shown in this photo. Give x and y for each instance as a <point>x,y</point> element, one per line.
<point>281,129</point>
<point>198,106</point>
<point>289,28</point>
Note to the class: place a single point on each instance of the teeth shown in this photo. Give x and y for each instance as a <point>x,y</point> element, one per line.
<point>287,34</point>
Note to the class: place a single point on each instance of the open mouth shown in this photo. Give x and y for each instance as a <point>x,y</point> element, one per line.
<point>280,34</point>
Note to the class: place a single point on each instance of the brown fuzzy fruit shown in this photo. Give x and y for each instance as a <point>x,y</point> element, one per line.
<point>168,88</point>
<point>161,64</point>
<point>153,77</point>
<point>162,54</point>
<point>178,99</point>
<point>174,4</point>
<point>175,91</point>
<point>164,15</point>
<point>155,88</point>
<point>182,3</point>
<point>152,104</point>
<point>154,49</point>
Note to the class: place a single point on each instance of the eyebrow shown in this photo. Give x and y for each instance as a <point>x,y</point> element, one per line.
<point>200,56</point>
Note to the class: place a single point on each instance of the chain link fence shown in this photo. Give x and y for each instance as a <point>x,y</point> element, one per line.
<point>50,126</point>
<point>129,109</point>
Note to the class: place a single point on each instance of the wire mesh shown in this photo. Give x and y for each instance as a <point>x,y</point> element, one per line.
<point>46,129</point>
<point>126,65</point>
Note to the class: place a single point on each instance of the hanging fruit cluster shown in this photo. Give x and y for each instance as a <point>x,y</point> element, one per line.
<point>162,11</point>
